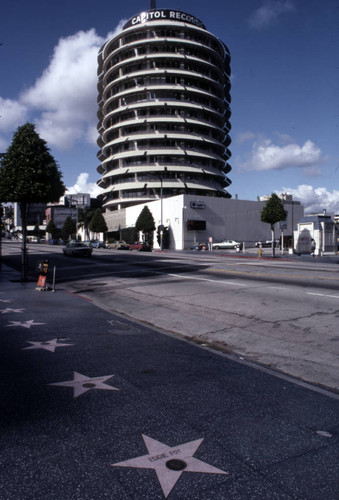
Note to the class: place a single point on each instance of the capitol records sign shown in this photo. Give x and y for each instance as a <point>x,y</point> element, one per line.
<point>156,15</point>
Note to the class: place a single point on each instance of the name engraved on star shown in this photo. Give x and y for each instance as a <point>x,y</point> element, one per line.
<point>174,452</point>
<point>164,455</point>
<point>157,457</point>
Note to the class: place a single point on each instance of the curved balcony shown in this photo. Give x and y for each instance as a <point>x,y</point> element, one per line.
<point>163,102</point>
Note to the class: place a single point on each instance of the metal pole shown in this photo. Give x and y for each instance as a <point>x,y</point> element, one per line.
<point>161,217</point>
<point>334,238</point>
<point>53,288</point>
<point>77,223</point>
<point>293,226</point>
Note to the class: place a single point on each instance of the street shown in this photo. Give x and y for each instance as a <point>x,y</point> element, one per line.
<point>281,313</point>
<point>98,406</point>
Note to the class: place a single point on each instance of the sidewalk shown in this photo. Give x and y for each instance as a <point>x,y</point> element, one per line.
<point>95,406</point>
<point>252,253</point>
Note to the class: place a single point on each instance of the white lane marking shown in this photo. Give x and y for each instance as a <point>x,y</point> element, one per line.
<point>204,279</point>
<point>323,295</point>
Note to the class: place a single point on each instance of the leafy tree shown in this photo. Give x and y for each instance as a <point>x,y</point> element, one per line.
<point>84,218</point>
<point>29,174</point>
<point>128,234</point>
<point>68,229</point>
<point>52,229</point>
<point>145,223</point>
<point>272,213</point>
<point>98,223</point>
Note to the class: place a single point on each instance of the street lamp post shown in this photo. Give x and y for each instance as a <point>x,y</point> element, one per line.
<point>161,217</point>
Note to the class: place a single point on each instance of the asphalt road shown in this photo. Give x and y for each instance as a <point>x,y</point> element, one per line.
<point>280,313</point>
<point>97,406</point>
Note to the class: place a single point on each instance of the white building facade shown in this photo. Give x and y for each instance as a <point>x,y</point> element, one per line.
<point>191,219</point>
<point>163,109</point>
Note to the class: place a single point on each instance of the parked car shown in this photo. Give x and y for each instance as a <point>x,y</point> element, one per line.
<point>97,244</point>
<point>226,244</point>
<point>141,246</point>
<point>118,245</point>
<point>87,243</point>
<point>266,243</point>
<point>77,249</point>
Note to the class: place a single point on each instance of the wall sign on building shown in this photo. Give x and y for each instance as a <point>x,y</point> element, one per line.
<point>155,15</point>
<point>197,204</point>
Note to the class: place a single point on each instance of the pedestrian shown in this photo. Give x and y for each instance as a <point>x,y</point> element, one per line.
<point>313,246</point>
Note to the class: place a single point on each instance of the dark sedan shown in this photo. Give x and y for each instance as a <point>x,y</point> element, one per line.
<point>77,249</point>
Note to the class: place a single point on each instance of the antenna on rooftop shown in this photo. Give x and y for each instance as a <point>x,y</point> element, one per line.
<point>153,4</point>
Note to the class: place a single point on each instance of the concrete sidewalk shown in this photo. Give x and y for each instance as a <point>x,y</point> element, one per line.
<point>252,253</point>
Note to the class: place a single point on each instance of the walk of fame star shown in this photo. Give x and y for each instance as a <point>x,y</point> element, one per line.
<point>9,310</point>
<point>170,462</point>
<point>81,383</point>
<point>25,324</point>
<point>49,345</point>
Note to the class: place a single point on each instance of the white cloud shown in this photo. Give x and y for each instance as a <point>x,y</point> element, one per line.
<point>12,114</point>
<point>65,94</point>
<point>245,136</point>
<point>83,186</point>
<point>315,199</point>
<point>284,138</point>
<point>269,12</point>
<point>3,145</point>
<point>265,155</point>
<point>63,101</point>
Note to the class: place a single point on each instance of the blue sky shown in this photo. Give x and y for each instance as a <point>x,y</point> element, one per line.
<point>285,87</point>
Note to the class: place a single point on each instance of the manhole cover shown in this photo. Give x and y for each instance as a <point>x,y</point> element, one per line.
<point>176,464</point>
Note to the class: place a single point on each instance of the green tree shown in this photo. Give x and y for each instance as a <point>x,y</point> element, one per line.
<point>272,213</point>
<point>52,229</point>
<point>68,229</point>
<point>84,218</point>
<point>145,223</point>
<point>98,223</point>
<point>128,234</point>
<point>29,174</point>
